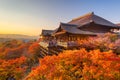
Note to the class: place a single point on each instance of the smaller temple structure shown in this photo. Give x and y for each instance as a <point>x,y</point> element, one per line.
<point>45,37</point>
<point>46,34</point>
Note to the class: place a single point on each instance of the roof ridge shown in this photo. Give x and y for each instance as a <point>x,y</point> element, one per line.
<point>88,14</point>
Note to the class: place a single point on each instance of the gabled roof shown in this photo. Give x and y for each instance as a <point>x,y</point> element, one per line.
<point>46,32</point>
<point>87,20</point>
<point>63,27</point>
<point>91,17</point>
<point>73,29</point>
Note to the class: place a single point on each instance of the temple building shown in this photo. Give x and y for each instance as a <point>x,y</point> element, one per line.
<point>46,34</point>
<point>81,27</point>
<point>86,25</point>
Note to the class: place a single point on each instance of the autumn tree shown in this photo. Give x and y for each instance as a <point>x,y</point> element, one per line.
<point>104,42</point>
<point>78,65</point>
<point>14,67</point>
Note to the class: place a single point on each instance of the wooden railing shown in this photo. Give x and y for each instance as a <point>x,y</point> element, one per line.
<point>63,44</point>
<point>68,44</point>
<point>44,44</point>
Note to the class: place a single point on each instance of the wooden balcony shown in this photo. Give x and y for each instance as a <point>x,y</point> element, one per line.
<point>62,44</point>
<point>68,44</point>
<point>44,44</point>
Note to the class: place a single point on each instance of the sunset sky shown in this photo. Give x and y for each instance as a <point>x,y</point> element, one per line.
<point>31,16</point>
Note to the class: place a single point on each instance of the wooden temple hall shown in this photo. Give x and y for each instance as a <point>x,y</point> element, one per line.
<point>78,28</point>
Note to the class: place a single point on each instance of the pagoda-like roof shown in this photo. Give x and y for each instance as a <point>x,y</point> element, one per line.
<point>72,29</point>
<point>46,32</point>
<point>89,24</point>
<point>91,17</point>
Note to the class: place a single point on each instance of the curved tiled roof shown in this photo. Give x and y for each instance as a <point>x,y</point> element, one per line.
<point>88,19</point>
<point>46,32</point>
<point>73,29</point>
<point>91,17</point>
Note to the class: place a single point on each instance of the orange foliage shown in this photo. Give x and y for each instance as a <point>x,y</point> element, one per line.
<point>13,49</point>
<point>78,65</point>
<point>12,60</point>
<point>34,48</point>
<point>12,53</point>
<point>104,42</point>
<point>14,67</point>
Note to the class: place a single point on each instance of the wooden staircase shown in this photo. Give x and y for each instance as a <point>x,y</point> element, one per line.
<point>47,50</point>
<point>50,51</point>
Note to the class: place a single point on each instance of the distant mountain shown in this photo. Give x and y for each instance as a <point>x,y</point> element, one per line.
<point>8,37</point>
<point>17,36</point>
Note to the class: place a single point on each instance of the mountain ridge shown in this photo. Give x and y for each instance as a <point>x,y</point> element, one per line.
<point>14,36</point>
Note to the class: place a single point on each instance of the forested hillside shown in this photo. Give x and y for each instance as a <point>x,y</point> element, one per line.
<point>97,58</point>
<point>17,58</point>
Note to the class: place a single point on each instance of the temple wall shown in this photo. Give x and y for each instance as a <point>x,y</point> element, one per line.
<point>98,29</point>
